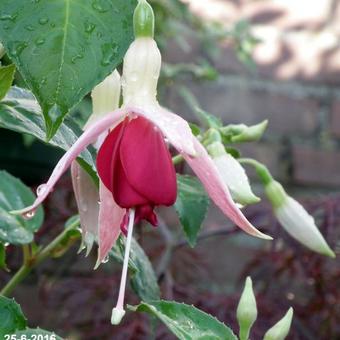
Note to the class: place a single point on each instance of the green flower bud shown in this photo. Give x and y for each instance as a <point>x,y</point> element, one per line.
<point>239,133</point>
<point>143,20</point>
<point>246,310</point>
<point>281,329</point>
<point>295,219</point>
<point>233,174</point>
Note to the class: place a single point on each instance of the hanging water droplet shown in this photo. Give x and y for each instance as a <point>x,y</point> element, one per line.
<point>43,21</point>
<point>41,188</point>
<point>29,215</point>
<point>106,259</point>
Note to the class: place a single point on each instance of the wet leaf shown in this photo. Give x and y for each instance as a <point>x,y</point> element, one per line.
<point>64,48</point>
<point>20,112</point>
<point>14,195</point>
<point>11,317</point>
<point>186,322</point>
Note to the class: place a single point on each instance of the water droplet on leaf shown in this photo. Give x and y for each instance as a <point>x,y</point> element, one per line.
<point>43,21</point>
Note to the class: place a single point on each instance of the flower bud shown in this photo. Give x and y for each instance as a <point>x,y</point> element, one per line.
<point>143,20</point>
<point>296,220</point>
<point>246,310</point>
<point>239,133</point>
<point>2,51</point>
<point>232,174</point>
<point>281,329</point>
<point>142,64</point>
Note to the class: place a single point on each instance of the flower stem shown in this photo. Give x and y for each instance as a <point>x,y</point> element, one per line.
<point>31,262</point>
<point>261,170</point>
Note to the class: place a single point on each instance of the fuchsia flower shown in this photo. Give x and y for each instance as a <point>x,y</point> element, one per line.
<point>134,164</point>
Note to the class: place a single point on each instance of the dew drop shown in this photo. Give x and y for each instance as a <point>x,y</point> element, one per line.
<point>18,47</point>
<point>109,51</point>
<point>29,28</point>
<point>9,17</point>
<point>40,41</point>
<point>43,21</point>
<point>89,26</point>
<point>41,188</point>
<point>101,6</point>
<point>76,57</point>
<point>106,259</point>
<point>29,215</point>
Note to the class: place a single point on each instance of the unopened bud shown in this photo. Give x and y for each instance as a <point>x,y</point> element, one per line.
<point>295,219</point>
<point>239,133</point>
<point>233,174</point>
<point>281,329</point>
<point>246,310</point>
<point>143,20</point>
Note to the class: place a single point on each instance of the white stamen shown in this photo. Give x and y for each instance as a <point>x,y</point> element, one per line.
<point>118,312</point>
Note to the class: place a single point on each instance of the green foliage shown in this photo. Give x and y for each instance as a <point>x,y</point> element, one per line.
<point>3,257</point>
<point>64,48</point>
<point>6,79</point>
<point>20,112</point>
<point>191,206</point>
<point>14,195</point>
<point>11,317</point>
<point>186,322</point>
<point>143,280</point>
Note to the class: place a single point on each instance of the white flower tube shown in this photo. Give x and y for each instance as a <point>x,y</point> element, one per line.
<point>142,65</point>
<point>295,219</point>
<point>233,174</point>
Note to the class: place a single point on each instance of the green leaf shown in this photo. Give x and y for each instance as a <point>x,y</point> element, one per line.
<point>3,257</point>
<point>14,195</point>
<point>11,317</point>
<point>37,333</point>
<point>191,206</point>
<point>143,280</point>
<point>6,79</point>
<point>20,112</point>
<point>187,322</point>
<point>63,48</point>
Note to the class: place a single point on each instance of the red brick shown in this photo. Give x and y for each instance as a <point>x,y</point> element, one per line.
<point>335,118</point>
<point>239,104</point>
<point>316,167</point>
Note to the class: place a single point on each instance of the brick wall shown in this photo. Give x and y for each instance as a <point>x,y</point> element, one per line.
<point>296,85</point>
